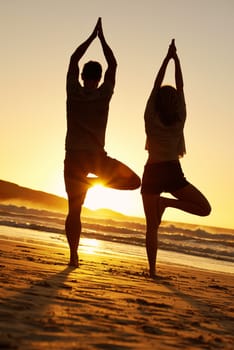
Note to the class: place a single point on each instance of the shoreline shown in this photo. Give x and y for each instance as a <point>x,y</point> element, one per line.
<point>105,247</point>
<point>109,302</point>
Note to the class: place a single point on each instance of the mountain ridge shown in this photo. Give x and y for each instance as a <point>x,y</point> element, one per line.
<point>11,193</point>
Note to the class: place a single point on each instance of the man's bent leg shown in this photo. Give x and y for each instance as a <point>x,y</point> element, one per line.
<point>117,175</point>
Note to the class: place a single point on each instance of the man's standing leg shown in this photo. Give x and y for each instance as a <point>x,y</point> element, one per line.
<point>76,190</point>
<point>73,226</point>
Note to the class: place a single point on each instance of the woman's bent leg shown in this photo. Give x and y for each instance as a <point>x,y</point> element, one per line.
<point>190,200</point>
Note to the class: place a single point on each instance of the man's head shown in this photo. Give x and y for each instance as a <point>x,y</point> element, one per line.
<point>92,72</point>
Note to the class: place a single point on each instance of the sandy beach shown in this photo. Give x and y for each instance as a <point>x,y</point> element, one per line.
<point>109,303</point>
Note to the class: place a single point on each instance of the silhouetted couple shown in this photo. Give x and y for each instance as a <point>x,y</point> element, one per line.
<point>87,114</point>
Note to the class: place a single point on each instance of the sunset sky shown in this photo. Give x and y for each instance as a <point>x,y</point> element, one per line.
<point>37,39</point>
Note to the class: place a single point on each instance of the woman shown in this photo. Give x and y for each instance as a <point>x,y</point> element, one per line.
<point>165,116</point>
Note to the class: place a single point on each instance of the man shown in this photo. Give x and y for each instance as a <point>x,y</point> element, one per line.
<point>87,114</point>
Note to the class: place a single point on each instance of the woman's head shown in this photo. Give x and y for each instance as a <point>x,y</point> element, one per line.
<point>166,104</point>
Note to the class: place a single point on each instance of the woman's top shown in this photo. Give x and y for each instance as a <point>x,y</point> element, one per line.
<point>164,143</point>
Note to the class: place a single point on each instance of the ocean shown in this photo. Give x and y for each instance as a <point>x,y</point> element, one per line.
<point>181,244</point>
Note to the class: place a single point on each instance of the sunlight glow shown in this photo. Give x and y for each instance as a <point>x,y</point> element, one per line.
<point>125,202</point>
<point>89,246</point>
<point>98,196</point>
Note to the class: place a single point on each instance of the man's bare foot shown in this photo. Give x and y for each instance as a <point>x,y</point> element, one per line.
<point>152,272</point>
<point>153,275</point>
<point>74,261</point>
<point>157,278</point>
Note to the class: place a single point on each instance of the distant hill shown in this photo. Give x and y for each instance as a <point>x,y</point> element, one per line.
<point>11,193</point>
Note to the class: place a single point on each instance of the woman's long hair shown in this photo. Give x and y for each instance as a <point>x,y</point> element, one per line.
<point>166,105</point>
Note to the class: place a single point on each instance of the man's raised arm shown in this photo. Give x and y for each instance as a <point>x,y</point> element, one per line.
<point>108,53</point>
<point>73,69</point>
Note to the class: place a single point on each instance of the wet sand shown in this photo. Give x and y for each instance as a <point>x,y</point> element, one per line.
<point>109,302</point>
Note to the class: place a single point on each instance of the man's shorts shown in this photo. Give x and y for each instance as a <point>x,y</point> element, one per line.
<point>163,177</point>
<point>111,172</point>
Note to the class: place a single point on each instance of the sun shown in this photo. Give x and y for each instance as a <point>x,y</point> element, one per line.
<point>124,202</point>
<point>99,196</point>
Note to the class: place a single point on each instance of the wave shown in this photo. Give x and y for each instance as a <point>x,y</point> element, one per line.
<point>192,240</point>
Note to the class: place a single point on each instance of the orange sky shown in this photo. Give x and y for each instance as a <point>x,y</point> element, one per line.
<point>37,39</point>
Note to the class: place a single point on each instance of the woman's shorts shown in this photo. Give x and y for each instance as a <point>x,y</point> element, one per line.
<point>163,177</point>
